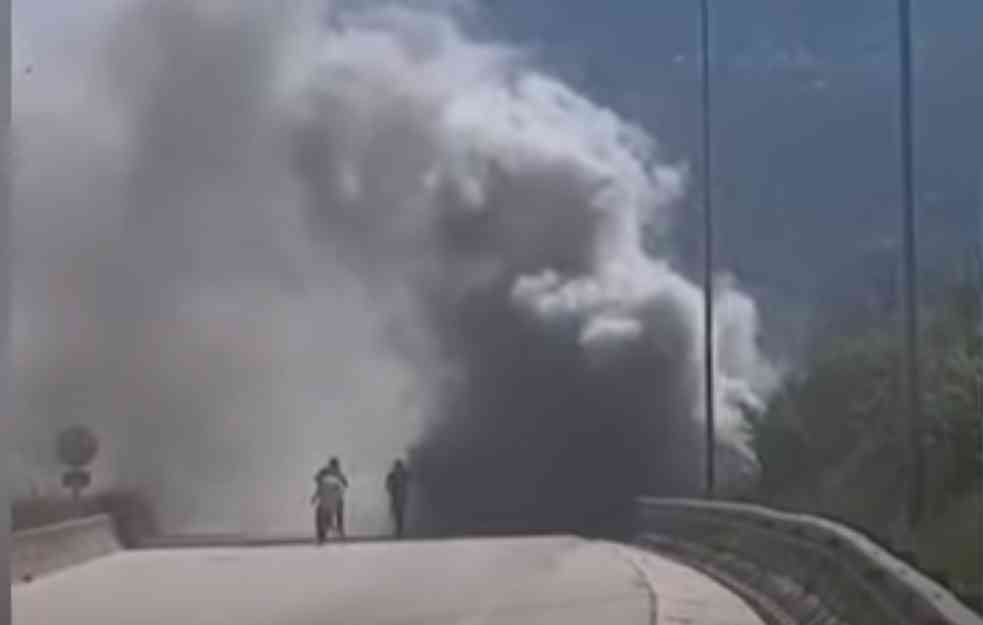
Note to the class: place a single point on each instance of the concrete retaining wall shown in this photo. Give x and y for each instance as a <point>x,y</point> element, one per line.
<point>51,548</point>
<point>818,571</point>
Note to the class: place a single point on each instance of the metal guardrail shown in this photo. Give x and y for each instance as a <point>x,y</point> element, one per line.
<point>817,570</point>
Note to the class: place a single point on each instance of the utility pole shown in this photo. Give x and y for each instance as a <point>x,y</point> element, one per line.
<point>978,283</point>
<point>708,303</point>
<point>910,246</point>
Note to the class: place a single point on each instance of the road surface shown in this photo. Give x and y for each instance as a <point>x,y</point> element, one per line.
<point>515,581</point>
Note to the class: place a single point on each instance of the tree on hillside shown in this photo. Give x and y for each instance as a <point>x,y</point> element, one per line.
<point>832,440</point>
<point>953,379</point>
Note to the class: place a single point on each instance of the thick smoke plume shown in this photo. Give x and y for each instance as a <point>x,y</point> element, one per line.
<point>249,237</point>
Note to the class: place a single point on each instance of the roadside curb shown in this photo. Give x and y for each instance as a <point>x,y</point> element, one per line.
<point>631,558</point>
<point>768,610</point>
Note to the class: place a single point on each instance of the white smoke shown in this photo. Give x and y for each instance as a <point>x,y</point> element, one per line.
<point>167,292</point>
<point>452,122</point>
<point>231,220</point>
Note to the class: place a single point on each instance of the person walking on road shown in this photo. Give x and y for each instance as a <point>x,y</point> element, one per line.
<point>396,486</point>
<point>333,471</point>
<point>327,499</point>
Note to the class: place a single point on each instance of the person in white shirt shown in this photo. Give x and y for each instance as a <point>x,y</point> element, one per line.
<point>329,499</point>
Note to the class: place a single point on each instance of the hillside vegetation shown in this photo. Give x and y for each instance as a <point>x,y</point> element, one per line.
<point>835,441</point>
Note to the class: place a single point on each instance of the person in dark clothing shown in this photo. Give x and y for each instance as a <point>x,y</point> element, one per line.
<point>396,486</point>
<point>334,469</point>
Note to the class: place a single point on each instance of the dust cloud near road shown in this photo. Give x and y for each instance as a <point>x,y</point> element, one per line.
<point>252,235</point>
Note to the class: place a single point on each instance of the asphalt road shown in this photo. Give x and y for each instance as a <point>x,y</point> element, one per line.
<point>517,581</point>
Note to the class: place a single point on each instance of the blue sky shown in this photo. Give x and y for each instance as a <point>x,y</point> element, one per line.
<point>806,128</point>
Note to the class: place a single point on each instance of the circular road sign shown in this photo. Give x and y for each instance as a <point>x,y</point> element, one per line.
<point>77,446</point>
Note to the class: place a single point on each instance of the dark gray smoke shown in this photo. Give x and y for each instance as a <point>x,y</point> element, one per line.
<point>539,438</point>
<point>516,210</point>
<point>255,235</point>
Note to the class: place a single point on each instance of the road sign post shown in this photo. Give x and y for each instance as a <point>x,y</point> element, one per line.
<point>76,447</point>
<point>76,480</point>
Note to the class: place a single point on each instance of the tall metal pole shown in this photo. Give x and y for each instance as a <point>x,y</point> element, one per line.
<point>912,351</point>
<point>708,334</point>
<point>978,283</point>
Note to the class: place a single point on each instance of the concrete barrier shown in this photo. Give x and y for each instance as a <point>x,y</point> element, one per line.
<point>51,548</point>
<point>818,571</point>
